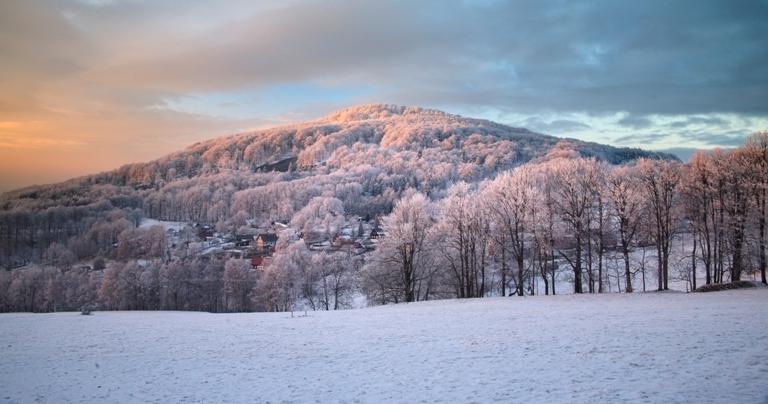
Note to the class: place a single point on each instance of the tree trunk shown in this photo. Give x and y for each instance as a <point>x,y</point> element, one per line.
<point>600,248</point>
<point>554,268</point>
<point>542,258</point>
<point>503,271</point>
<point>738,243</point>
<point>590,278</point>
<point>761,237</point>
<point>693,263</point>
<point>627,271</point>
<point>520,284</point>
<point>660,259</point>
<point>707,253</point>
<point>577,268</point>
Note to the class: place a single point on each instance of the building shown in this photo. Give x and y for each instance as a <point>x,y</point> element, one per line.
<point>244,240</point>
<point>265,243</point>
<point>376,233</point>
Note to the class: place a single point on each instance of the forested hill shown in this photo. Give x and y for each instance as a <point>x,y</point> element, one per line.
<point>364,157</point>
<point>370,135</point>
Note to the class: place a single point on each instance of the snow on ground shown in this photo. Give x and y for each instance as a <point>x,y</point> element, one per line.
<point>147,223</point>
<point>667,347</point>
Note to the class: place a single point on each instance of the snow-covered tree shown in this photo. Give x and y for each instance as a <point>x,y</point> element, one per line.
<point>624,194</point>
<point>238,280</point>
<point>402,257</point>
<point>512,199</point>
<point>660,180</point>
<point>288,282</point>
<point>574,181</point>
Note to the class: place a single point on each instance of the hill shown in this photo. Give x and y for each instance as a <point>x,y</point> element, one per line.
<point>365,135</point>
<point>358,161</point>
<point>415,147</point>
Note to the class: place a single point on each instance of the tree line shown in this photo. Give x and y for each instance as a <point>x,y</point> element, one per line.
<point>561,221</point>
<point>499,236</point>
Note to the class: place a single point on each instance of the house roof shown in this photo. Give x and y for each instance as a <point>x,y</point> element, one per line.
<point>267,237</point>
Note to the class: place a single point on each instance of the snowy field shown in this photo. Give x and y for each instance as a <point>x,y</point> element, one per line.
<point>147,223</point>
<point>669,347</point>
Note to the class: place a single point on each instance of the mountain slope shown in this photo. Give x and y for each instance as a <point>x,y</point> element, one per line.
<point>384,127</point>
<point>364,157</point>
<point>372,130</point>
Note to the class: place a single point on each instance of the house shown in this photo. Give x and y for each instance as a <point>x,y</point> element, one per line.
<point>367,244</point>
<point>376,233</point>
<point>343,243</point>
<point>320,246</point>
<point>243,240</point>
<point>257,261</point>
<point>203,231</point>
<point>277,226</point>
<point>265,242</point>
<point>260,261</point>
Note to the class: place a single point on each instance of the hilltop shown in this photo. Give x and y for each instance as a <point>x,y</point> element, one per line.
<point>393,139</point>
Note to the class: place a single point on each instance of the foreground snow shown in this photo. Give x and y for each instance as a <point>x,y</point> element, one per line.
<point>652,347</point>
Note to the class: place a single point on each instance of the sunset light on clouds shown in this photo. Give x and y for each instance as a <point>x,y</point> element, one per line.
<point>90,85</point>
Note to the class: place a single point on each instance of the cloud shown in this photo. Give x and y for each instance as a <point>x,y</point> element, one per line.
<point>585,57</point>
<point>149,77</point>
<point>554,127</point>
<point>730,138</point>
<point>635,122</point>
<point>641,138</point>
<point>712,121</point>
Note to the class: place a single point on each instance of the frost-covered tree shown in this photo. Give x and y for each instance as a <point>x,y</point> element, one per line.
<point>401,260</point>
<point>511,199</point>
<point>238,280</point>
<point>336,272</point>
<point>465,228</point>
<point>660,181</point>
<point>323,216</point>
<point>756,150</point>
<point>59,256</point>
<point>288,282</point>
<point>627,202</point>
<point>574,182</point>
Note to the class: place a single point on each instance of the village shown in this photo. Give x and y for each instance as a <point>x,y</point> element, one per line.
<point>258,244</point>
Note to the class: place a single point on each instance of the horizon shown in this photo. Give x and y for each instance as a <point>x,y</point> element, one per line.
<point>91,85</point>
<point>681,153</point>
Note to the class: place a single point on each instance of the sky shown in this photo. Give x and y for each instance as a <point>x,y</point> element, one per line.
<point>89,85</point>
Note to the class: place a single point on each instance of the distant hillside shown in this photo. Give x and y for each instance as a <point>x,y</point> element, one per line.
<point>362,135</point>
<point>365,157</point>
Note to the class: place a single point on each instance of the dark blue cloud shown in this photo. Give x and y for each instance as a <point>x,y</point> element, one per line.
<point>635,122</point>
<point>648,57</point>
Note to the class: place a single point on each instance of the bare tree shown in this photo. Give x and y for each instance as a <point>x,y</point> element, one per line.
<point>660,180</point>
<point>466,229</point>
<point>574,184</point>
<point>756,149</point>
<point>238,281</point>
<point>626,201</point>
<point>403,250</point>
<point>511,198</point>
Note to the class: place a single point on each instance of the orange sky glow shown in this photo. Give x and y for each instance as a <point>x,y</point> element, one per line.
<point>89,85</point>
